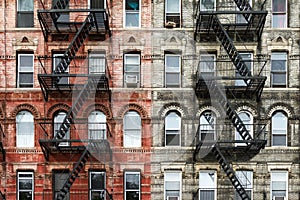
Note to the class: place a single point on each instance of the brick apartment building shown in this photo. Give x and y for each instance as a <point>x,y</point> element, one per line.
<point>140,99</point>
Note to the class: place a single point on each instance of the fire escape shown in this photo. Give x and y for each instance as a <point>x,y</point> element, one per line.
<point>222,87</point>
<point>61,81</point>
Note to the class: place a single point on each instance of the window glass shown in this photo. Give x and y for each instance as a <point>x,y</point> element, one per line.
<point>132,186</point>
<point>207,126</point>
<point>132,130</point>
<point>25,70</point>
<point>208,5</point>
<point>172,76</point>
<point>279,13</point>
<point>172,184</point>
<point>207,185</point>
<point>246,179</point>
<point>247,58</point>
<point>97,125</point>
<point>279,184</point>
<point>97,63</point>
<point>97,185</point>
<point>59,179</point>
<point>25,13</point>
<point>132,13</point>
<point>131,70</point>
<point>58,120</point>
<point>172,129</point>
<point>25,129</point>
<point>279,129</point>
<point>207,65</point>
<point>25,186</point>
<point>278,68</point>
<point>247,120</point>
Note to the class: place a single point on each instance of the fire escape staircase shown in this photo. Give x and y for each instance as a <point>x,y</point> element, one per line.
<point>215,89</point>
<point>60,4</point>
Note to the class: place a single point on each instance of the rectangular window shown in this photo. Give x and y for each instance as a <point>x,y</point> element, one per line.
<point>248,60</point>
<point>172,129</point>
<point>279,185</point>
<point>279,69</point>
<point>25,186</point>
<point>132,130</point>
<point>207,185</point>
<point>246,179</point>
<point>172,185</point>
<point>25,70</point>
<point>132,186</point>
<point>59,179</point>
<point>56,60</point>
<point>25,13</point>
<point>172,69</point>
<point>279,129</point>
<point>97,63</point>
<point>207,65</point>
<point>279,13</point>
<point>97,4</point>
<point>173,13</point>
<point>97,185</point>
<point>63,16</point>
<point>131,70</point>
<point>208,5</point>
<point>240,17</point>
<point>132,13</point>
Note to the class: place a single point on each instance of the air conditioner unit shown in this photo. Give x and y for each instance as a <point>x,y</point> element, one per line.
<point>131,79</point>
<point>170,24</point>
<point>172,198</point>
<point>279,198</point>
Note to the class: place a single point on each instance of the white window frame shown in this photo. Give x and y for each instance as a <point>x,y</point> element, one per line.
<point>280,13</point>
<point>28,70</point>
<point>206,185</point>
<point>207,128</point>
<point>132,190</point>
<point>101,191</point>
<point>173,130</point>
<point>97,124</point>
<point>173,176</point>
<point>25,139</point>
<point>283,174</point>
<point>283,72</point>
<point>97,63</point>
<point>204,66</point>
<point>246,179</point>
<point>57,121</point>
<point>25,12</point>
<point>280,132</point>
<point>174,14</point>
<point>25,178</point>
<point>249,127</point>
<point>56,60</point>
<point>250,68</point>
<point>208,9</point>
<point>173,70</point>
<point>128,73</point>
<point>133,138</point>
<point>132,12</point>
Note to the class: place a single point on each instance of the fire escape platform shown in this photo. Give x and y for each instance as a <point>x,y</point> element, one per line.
<point>70,21</point>
<point>244,28</point>
<point>234,87</point>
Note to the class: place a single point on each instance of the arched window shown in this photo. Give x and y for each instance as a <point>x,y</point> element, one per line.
<point>207,126</point>
<point>172,129</point>
<point>97,125</point>
<point>279,129</point>
<point>25,129</point>
<point>247,120</point>
<point>132,130</point>
<point>57,122</point>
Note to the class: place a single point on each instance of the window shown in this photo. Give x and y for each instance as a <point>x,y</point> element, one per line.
<point>97,125</point>
<point>58,120</point>
<point>172,13</point>
<point>131,70</point>
<point>172,129</point>
<point>172,185</point>
<point>25,129</point>
<point>247,120</point>
<point>279,13</point>
<point>279,184</point>
<point>207,65</point>
<point>98,4</point>
<point>132,186</point>
<point>246,179</point>
<point>25,70</point>
<point>97,63</point>
<point>25,13</point>
<point>208,5</point>
<point>132,129</point>
<point>97,185</point>
<point>25,186</point>
<point>59,179</point>
<point>240,17</point>
<point>279,129</point>
<point>207,185</point>
<point>132,13</point>
<point>172,64</point>
<point>207,126</point>
<point>57,57</point>
<point>279,69</point>
<point>247,58</point>
<point>63,16</point>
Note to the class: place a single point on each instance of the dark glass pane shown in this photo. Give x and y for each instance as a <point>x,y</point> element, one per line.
<point>25,19</point>
<point>279,5</point>
<point>97,4</point>
<point>278,65</point>
<point>207,194</point>
<point>98,195</point>
<point>97,181</point>
<point>132,19</point>
<point>279,140</point>
<point>132,4</point>
<point>279,79</point>
<point>172,139</point>
<point>172,79</point>
<point>25,195</point>
<point>25,184</point>
<point>132,181</point>
<point>132,195</point>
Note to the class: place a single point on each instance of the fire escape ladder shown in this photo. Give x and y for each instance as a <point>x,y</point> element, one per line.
<point>232,52</point>
<point>244,5</point>
<point>74,46</point>
<point>60,4</point>
<point>227,167</point>
<point>74,174</point>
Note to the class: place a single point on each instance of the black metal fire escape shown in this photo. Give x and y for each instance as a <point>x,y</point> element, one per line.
<point>209,25</point>
<point>96,21</point>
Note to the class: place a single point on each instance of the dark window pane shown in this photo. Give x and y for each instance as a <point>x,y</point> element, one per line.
<point>279,79</point>
<point>278,65</point>
<point>132,4</point>
<point>25,19</point>
<point>207,194</point>
<point>97,4</point>
<point>132,195</point>
<point>25,184</point>
<point>25,195</point>
<point>97,181</point>
<point>172,139</point>
<point>279,5</point>
<point>279,140</point>
<point>132,181</point>
<point>172,79</point>
<point>98,195</point>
